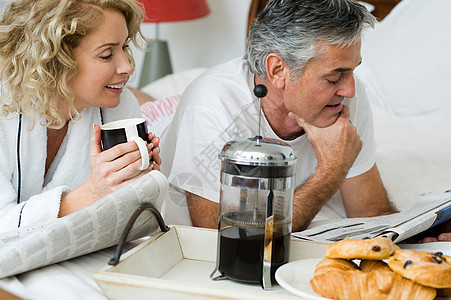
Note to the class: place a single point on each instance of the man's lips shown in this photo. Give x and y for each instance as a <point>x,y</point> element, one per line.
<point>334,108</point>
<point>337,100</point>
<point>334,105</point>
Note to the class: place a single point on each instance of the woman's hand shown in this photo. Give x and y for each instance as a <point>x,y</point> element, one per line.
<point>154,152</point>
<point>110,170</point>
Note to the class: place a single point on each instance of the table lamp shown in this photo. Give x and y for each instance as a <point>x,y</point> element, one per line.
<point>157,62</point>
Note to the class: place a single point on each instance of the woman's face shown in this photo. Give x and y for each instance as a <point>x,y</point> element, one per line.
<point>103,67</point>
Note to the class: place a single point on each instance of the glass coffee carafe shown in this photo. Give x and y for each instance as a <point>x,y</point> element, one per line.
<point>257,186</point>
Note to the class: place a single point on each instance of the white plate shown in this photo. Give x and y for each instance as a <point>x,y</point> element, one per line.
<point>295,277</point>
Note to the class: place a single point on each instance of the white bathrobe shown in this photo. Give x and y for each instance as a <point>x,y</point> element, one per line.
<point>41,193</point>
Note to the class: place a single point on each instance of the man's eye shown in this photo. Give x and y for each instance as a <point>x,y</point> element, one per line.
<point>335,81</point>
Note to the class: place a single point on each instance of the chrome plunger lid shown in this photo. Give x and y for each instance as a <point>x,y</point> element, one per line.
<point>267,152</point>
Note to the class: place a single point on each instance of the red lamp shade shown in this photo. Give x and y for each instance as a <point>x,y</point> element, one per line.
<point>158,11</point>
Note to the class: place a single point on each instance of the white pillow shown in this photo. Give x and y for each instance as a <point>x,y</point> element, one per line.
<point>159,113</point>
<point>172,84</point>
<point>412,158</point>
<point>167,90</point>
<point>406,63</point>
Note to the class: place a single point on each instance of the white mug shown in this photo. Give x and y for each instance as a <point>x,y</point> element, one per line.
<point>127,130</point>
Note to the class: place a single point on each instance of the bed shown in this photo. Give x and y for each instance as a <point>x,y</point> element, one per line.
<point>406,70</point>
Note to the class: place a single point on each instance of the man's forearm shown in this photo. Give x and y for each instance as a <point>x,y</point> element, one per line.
<point>203,212</point>
<point>312,195</point>
<point>365,195</point>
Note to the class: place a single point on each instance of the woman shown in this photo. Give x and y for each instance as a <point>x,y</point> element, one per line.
<point>63,67</point>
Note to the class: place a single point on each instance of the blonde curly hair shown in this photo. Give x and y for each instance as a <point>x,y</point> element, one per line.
<point>37,39</point>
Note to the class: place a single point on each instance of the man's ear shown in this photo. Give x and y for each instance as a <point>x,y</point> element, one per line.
<point>276,70</point>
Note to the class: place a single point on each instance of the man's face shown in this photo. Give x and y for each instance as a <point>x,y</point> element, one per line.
<point>317,95</point>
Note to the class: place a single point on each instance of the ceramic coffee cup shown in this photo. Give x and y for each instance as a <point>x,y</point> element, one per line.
<point>124,131</point>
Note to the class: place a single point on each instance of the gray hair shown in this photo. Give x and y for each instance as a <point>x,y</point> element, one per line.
<point>291,28</point>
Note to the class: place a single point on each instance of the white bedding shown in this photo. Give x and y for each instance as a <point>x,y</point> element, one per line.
<point>412,158</point>
<point>407,70</point>
<point>407,64</point>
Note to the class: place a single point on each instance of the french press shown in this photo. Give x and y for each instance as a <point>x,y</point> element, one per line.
<point>254,226</point>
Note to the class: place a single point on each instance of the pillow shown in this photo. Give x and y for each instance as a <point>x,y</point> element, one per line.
<point>172,84</point>
<point>412,158</point>
<point>406,65</point>
<point>159,113</point>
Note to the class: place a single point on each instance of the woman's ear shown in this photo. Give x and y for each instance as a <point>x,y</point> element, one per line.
<point>276,70</point>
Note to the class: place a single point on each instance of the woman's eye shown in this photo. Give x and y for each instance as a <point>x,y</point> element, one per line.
<point>106,55</point>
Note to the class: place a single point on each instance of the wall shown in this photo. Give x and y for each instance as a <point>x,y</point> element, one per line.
<point>205,42</point>
<point>199,43</point>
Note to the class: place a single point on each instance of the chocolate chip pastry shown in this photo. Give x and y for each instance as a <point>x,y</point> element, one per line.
<point>426,268</point>
<point>343,279</point>
<point>409,274</point>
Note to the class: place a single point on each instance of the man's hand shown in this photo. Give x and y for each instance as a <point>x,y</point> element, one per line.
<point>442,233</point>
<point>336,147</point>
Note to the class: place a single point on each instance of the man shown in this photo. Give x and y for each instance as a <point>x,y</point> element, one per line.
<point>304,52</point>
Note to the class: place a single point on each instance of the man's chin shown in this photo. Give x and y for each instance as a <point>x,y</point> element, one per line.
<point>327,123</point>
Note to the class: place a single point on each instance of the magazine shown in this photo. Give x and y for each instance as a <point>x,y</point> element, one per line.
<point>430,210</point>
<point>95,227</point>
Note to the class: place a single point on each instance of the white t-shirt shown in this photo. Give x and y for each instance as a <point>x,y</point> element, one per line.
<point>220,106</point>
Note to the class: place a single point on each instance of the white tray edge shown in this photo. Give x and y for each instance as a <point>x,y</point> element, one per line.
<point>115,284</point>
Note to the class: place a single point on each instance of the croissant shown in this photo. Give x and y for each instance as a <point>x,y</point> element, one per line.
<point>426,268</point>
<point>375,249</point>
<point>342,279</point>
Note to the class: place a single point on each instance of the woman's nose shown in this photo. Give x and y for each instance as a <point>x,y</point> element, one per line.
<point>124,66</point>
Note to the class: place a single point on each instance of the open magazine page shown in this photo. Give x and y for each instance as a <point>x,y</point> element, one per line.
<point>95,227</point>
<point>431,209</point>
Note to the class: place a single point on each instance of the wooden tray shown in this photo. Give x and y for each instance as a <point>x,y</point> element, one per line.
<point>177,265</point>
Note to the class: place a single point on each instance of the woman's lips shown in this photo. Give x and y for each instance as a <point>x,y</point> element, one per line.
<point>115,90</point>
